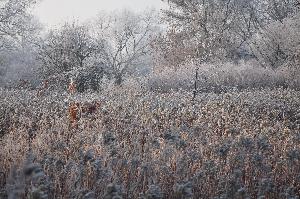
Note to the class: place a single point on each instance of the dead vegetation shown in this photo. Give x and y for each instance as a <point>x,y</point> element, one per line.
<point>141,144</point>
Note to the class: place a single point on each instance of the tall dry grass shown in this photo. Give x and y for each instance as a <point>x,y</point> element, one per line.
<point>141,144</point>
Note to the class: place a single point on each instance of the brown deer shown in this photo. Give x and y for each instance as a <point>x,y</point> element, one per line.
<point>74,114</point>
<point>77,110</point>
<point>90,108</point>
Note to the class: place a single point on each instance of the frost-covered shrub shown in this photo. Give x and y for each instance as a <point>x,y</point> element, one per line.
<point>154,192</point>
<point>221,77</point>
<point>29,181</point>
<point>183,190</point>
<point>113,192</point>
<point>277,44</point>
<point>90,79</point>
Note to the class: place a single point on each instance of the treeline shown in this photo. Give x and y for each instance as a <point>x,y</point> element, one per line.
<point>110,46</point>
<point>113,47</point>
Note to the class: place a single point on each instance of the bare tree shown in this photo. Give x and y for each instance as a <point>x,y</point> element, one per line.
<point>128,37</point>
<point>207,30</point>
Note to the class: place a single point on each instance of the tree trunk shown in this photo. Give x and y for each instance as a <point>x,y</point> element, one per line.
<point>195,84</point>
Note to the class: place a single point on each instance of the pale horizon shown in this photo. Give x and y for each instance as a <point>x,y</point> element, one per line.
<point>56,12</point>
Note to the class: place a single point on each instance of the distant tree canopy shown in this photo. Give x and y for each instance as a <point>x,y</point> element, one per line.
<point>18,28</point>
<point>211,30</point>
<point>111,45</point>
<point>16,21</point>
<point>117,45</point>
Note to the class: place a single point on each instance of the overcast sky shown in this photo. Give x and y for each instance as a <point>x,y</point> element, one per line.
<point>55,12</point>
